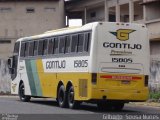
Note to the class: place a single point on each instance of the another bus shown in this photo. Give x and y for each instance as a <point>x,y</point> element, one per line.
<point>102,62</point>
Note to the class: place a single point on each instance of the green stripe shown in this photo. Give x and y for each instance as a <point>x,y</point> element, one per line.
<point>30,78</point>
<point>36,78</point>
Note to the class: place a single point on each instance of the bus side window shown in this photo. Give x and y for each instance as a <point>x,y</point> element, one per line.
<point>80,42</point>
<point>35,48</point>
<point>31,46</point>
<point>22,49</point>
<point>16,48</point>
<point>55,49</point>
<point>45,45</point>
<point>67,44</point>
<point>50,46</point>
<point>74,43</point>
<point>87,42</point>
<point>40,47</point>
<point>61,44</point>
<point>26,53</point>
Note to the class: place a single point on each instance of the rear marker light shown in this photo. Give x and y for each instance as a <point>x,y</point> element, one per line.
<point>146,80</point>
<point>94,78</point>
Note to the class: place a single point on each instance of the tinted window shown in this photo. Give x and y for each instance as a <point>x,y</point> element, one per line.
<point>74,43</point>
<point>22,49</point>
<point>35,48</point>
<point>45,45</point>
<point>50,46</point>
<point>87,42</point>
<point>31,46</point>
<point>62,45</point>
<point>40,47</point>
<point>55,50</point>
<point>16,47</point>
<point>67,44</point>
<point>80,42</point>
<point>26,49</point>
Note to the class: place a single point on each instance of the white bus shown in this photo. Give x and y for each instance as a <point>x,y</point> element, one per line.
<point>103,62</point>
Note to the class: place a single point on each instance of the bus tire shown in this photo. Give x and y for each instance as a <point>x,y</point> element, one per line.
<point>61,97</point>
<point>22,96</point>
<point>72,103</point>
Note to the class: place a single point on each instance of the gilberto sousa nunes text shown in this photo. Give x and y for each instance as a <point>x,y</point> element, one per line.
<point>130,117</point>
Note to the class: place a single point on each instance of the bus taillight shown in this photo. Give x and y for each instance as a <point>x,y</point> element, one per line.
<point>146,80</point>
<point>94,78</point>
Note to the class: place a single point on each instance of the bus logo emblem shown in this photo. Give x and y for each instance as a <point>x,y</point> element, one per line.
<point>122,34</point>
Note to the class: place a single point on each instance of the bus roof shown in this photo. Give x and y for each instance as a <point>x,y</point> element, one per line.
<point>60,31</point>
<point>67,30</point>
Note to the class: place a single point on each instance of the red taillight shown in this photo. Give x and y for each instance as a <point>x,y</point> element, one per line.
<point>94,78</point>
<point>114,77</point>
<point>146,80</point>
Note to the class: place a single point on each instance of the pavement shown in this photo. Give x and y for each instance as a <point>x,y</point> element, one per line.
<point>151,104</point>
<point>12,108</point>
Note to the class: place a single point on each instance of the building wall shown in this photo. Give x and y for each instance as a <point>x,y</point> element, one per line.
<point>95,14</point>
<point>153,8</point>
<point>16,22</point>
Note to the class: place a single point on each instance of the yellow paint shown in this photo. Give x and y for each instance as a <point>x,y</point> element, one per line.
<point>116,90</point>
<point>123,34</point>
<point>112,89</point>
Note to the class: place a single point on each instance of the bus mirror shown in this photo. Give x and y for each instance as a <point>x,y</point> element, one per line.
<point>10,63</point>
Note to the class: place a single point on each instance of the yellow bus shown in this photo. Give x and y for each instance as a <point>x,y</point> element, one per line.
<point>102,62</point>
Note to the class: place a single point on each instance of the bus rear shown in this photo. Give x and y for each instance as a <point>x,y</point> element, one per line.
<point>121,62</point>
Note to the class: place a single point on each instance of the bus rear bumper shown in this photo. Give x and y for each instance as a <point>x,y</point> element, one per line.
<point>124,95</point>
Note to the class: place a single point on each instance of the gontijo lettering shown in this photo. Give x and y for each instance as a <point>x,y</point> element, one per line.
<point>122,45</point>
<point>56,64</point>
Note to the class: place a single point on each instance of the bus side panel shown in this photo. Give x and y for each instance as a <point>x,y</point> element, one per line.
<point>24,77</point>
<point>80,81</point>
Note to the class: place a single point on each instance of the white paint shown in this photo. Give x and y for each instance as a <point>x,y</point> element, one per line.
<point>69,65</point>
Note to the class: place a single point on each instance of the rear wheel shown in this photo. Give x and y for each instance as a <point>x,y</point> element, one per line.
<point>61,98</point>
<point>72,103</point>
<point>22,96</point>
